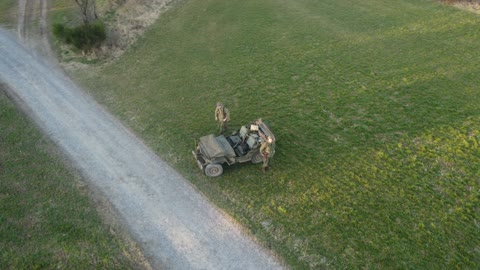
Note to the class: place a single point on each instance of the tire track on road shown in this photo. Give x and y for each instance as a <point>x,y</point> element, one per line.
<point>32,26</point>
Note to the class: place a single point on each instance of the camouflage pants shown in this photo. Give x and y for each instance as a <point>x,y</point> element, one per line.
<point>222,127</point>
<point>266,159</point>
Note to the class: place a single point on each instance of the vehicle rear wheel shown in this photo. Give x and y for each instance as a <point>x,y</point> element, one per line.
<point>257,158</point>
<point>213,170</point>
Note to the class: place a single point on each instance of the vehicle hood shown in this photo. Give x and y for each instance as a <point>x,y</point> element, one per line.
<point>213,147</point>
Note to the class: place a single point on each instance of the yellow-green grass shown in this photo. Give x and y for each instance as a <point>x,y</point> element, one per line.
<point>47,220</point>
<point>375,105</point>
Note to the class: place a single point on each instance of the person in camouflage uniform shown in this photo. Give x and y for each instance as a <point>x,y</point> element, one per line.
<point>265,150</point>
<point>222,116</point>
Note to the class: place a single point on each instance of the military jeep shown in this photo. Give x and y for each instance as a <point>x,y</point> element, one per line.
<point>242,146</point>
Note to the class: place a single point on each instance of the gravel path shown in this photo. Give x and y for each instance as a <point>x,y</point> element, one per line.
<point>176,226</point>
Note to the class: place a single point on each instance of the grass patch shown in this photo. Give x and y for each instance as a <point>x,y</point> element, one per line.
<point>7,7</point>
<point>374,105</point>
<point>66,13</point>
<point>47,220</point>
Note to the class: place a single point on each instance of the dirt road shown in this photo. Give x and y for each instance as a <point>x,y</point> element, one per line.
<point>176,227</point>
<point>32,26</point>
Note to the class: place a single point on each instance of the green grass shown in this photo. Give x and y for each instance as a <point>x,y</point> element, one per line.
<point>47,220</point>
<point>374,105</point>
<point>6,13</point>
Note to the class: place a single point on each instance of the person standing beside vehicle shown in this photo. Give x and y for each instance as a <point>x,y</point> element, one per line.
<point>265,149</point>
<point>222,116</point>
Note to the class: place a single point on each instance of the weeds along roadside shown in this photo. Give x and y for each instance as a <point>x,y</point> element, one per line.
<point>49,219</point>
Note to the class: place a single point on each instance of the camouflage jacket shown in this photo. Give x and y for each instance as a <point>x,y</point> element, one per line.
<point>222,113</point>
<point>265,148</point>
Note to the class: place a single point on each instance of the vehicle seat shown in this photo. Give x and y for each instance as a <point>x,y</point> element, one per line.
<point>243,133</point>
<point>234,140</point>
<point>252,140</point>
<point>241,149</point>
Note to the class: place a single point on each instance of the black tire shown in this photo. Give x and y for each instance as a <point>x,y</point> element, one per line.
<point>257,158</point>
<point>213,170</point>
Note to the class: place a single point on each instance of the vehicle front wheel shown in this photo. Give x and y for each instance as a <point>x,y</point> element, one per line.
<point>213,170</point>
<point>257,158</point>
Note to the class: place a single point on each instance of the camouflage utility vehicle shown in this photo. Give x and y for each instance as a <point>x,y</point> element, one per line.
<point>242,146</point>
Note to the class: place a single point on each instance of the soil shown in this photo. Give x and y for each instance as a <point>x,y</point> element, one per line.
<point>468,5</point>
<point>175,226</point>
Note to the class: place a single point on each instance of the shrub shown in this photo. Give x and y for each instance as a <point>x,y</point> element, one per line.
<point>85,37</point>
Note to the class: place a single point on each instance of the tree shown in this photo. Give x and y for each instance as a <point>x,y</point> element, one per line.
<point>88,36</point>
<point>88,8</point>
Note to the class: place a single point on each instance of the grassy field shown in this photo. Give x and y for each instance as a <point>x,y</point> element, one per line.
<point>6,15</point>
<point>48,217</point>
<point>375,105</point>
<point>48,220</point>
